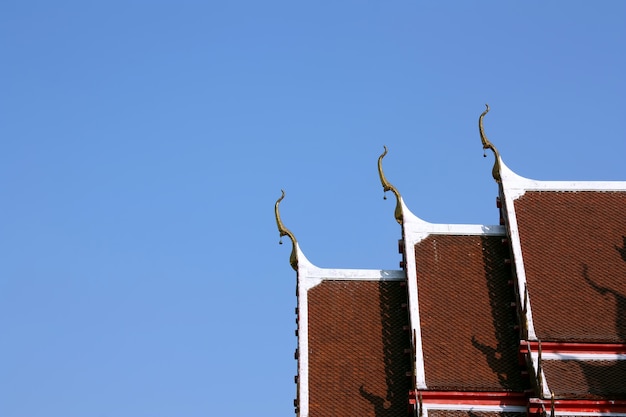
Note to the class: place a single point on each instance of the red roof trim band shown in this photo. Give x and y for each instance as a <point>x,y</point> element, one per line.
<point>578,406</point>
<point>472,398</point>
<point>561,347</point>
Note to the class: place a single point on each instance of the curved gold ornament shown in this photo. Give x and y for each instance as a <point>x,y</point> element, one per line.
<point>488,145</point>
<point>388,187</point>
<point>283,231</point>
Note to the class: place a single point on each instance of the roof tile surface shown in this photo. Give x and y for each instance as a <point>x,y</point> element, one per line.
<point>574,251</point>
<point>575,379</point>
<point>466,317</point>
<point>357,339</point>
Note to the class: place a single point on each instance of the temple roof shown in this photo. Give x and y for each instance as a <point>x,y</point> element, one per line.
<point>483,320</point>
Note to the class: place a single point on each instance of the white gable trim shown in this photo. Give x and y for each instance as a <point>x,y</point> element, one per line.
<point>517,185</point>
<point>303,334</point>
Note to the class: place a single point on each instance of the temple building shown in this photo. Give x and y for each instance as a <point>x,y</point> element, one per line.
<point>526,317</point>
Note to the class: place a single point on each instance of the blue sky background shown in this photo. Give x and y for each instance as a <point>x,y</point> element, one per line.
<point>144,143</point>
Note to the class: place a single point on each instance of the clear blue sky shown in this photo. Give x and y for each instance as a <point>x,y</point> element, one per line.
<point>144,143</point>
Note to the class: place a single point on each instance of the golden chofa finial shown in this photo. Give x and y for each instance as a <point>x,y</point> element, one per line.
<point>283,231</point>
<point>388,187</point>
<point>488,145</point>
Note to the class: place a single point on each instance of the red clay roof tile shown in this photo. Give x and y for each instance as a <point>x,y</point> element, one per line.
<point>573,379</point>
<point>468,338</point>
<point>573,247</point>
<point>357,342</point>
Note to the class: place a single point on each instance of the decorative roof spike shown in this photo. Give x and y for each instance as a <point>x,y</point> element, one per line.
<point>552,404</point>
<point>283,231</point>
<point>488,145</point>
<point>388,187</point>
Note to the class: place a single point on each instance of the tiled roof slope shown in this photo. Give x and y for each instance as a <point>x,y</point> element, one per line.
<point>467,322</point>
<point>586,379</point>
<point>358,341</point>
<point>573,251</point>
